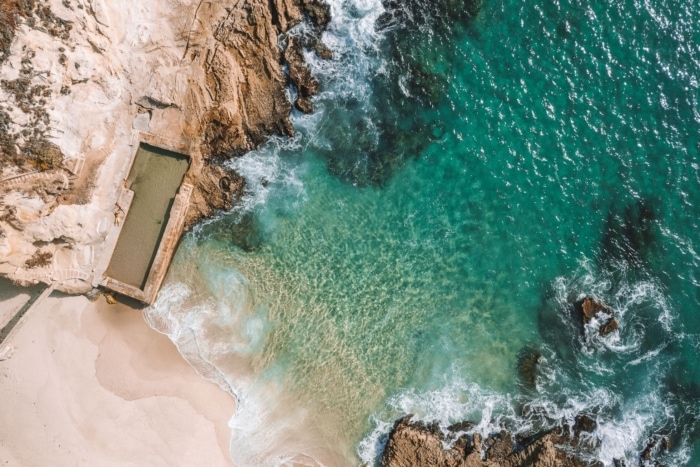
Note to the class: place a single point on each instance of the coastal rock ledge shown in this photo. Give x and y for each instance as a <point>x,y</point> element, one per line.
<point>83,83</point>
<point>416,444</point>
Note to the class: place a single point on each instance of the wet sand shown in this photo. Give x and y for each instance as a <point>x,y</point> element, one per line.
<point>92,384</point>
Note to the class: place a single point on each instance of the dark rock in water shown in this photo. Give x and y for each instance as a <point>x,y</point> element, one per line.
<point>665,443</point>
<point>323,51</point>
<point>415,444</point>
<point>246,233</point>
<point>304,104</point>
<point>584,423</point>
<point>299,72</point>
<point>591,307</point>
<point>528,360</point>
<point>631,233</point>
<point>609,327</point>
<point>646,454</point>
<point>460,426</point>
<point>619,463</point>
<point>656,445</point>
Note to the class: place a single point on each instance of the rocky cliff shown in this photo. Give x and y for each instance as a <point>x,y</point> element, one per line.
<point>81,80</point>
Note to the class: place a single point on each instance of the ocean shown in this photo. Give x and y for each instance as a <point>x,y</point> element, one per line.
<point>472,169</point>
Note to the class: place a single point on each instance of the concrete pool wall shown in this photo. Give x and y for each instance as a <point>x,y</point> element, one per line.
<point>153,221</point>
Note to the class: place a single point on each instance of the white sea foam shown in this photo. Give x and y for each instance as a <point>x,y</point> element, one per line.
<point>455,402</point>
<point>275,168</point>
<point>624,423</point>
<point>208,314</point>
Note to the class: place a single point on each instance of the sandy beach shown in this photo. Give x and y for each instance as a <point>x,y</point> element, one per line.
<point>92,384</point>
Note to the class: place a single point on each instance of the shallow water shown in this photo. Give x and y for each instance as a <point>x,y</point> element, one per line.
<point>462,183</point>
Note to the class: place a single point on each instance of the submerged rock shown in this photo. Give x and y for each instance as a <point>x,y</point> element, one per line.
<point>464,9</point>
<point>528,361</point>
<point>656,445</point>
<point>246,233</point>
<point>416,444</point>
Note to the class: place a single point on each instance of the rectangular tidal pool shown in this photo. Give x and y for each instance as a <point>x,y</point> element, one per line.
<point>155,179</point>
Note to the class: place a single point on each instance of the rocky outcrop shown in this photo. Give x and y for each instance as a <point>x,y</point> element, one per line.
<point>300,74</point>
<point>415,444</point>
<point>241,99</point>
<point>590,308</point>
<point>244,74</point>
<point>80,83</point>
<point>217,189</point>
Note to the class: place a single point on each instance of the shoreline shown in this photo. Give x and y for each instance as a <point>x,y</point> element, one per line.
<point>85,382</point>
<point>202,76</point>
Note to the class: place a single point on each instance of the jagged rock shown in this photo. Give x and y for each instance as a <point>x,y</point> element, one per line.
<point>217,188</point>
<point>528,361</point>
<point>300,74</point>
<point>590,307</point>
<point>656,445</point>
<point>609,327</point>
<point>500,446</point>
<point>304,105</point>
<point>460,426</point>
<point>318,11</point>
<point>415,444</point>
<point>247,68</point>
<point>584,423</point>
<point>323,51</point>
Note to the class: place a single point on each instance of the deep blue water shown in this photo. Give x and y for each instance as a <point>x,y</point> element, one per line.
<point>465,179</point>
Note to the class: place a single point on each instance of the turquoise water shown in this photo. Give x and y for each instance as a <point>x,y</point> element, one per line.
<point>463,181</point>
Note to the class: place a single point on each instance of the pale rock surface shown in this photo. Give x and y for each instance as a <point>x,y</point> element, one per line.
<point>202,75</point>
<point>125,52</point>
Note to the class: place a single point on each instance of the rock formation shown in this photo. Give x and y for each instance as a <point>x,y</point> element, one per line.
<point>81,80</point>
<point>590,308</point>
<point>415,444</point>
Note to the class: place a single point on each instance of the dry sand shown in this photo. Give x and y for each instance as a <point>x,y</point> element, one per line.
<point>92,384</point>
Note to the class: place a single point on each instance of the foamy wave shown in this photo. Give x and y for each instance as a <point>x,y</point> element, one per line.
<point>582,380</point>
<point>455,402</point>
<point>210,317</point>
<point>275,169</point>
